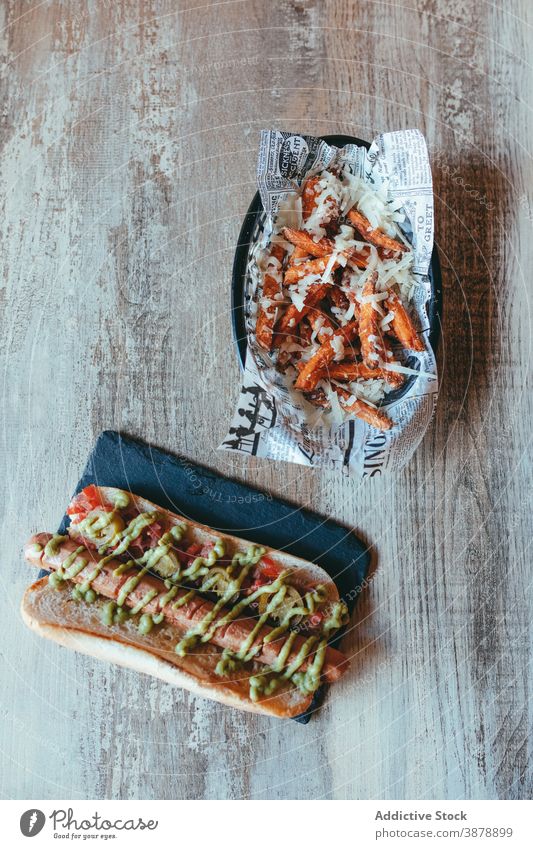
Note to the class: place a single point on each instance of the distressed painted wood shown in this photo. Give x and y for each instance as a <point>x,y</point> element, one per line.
<point>129,136</point>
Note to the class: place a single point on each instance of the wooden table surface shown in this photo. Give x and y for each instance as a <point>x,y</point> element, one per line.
<point>130,133</point>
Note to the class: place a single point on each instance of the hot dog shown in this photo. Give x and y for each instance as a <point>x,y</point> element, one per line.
<point>232,610</point>
<point>191,612</point>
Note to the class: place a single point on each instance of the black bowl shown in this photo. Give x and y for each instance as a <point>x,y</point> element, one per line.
<point>240,262</point>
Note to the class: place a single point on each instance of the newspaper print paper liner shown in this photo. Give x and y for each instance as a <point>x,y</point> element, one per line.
<point>272,420</point>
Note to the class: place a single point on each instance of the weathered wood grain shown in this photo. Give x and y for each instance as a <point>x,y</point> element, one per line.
<point>129,137</point>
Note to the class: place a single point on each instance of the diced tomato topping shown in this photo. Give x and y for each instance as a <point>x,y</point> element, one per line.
<point>186,557</point>
<point>85,501</point>
<point>154,532</point>
<point>147,539</point>
<point>317,618</point>
<point>269,569</point>
<point>265,572</point>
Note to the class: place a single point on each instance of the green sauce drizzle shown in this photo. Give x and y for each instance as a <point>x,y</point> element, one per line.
<point>226,582</point>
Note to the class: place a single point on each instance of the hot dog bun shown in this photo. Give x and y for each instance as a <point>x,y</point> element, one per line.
<point>55,616</point>
<point>63,616</point>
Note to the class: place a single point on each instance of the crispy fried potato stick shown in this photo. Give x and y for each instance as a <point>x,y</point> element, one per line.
<point>292,316</point>
<point>312,266</point>
<point>310,374</point>
<point>375,237</point>
<point>364,411</point>
<point>348,371</point>
<point>401,324</point>
<point>393,378</point>
<point>322,324</point>
<point>338,298</point>
<point>324,247</point>
<point>298,253</point>
<point>351,371</point>
<point>369,331</point>
<point>266,315</point>
<point>309,195</point>
<point>304,241</point>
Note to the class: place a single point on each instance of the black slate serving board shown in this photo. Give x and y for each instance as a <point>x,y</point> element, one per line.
<point>183,486</point>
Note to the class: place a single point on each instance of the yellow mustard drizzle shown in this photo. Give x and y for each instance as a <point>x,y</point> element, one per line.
<point>149,561</point>
<point>184,599</point>
<point>95,522</point>
<point>246,651</point>
<point>261,684</point>
<point>307,682</point>
<point>122,537</point>
<point>130,585</point>
<point>168,596</point>
<point>113,614</point>
<point>206,629</point>
<point>227,664</point>
<point>74,564</point>
<point>85,590</point>
<point>285,651</point>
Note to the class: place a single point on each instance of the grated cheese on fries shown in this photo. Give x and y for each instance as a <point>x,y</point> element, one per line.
<point>340,260</point>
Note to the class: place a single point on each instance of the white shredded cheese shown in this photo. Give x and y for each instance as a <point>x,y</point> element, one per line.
<point>329,267</point>
<point>374,298</point>
<point>373,202</point>
<point>371,390</point>
<point>337,413</point>
<point>317,326</point>
<point>349,314</point>
<point>337,343</point>
<point>326,204</point>
<point>299,291</point>
<point>404,370</point>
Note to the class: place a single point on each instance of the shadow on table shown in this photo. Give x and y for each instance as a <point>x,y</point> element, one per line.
<point>471,201</point>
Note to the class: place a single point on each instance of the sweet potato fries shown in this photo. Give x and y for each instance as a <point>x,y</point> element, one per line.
<point>332,310</point>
